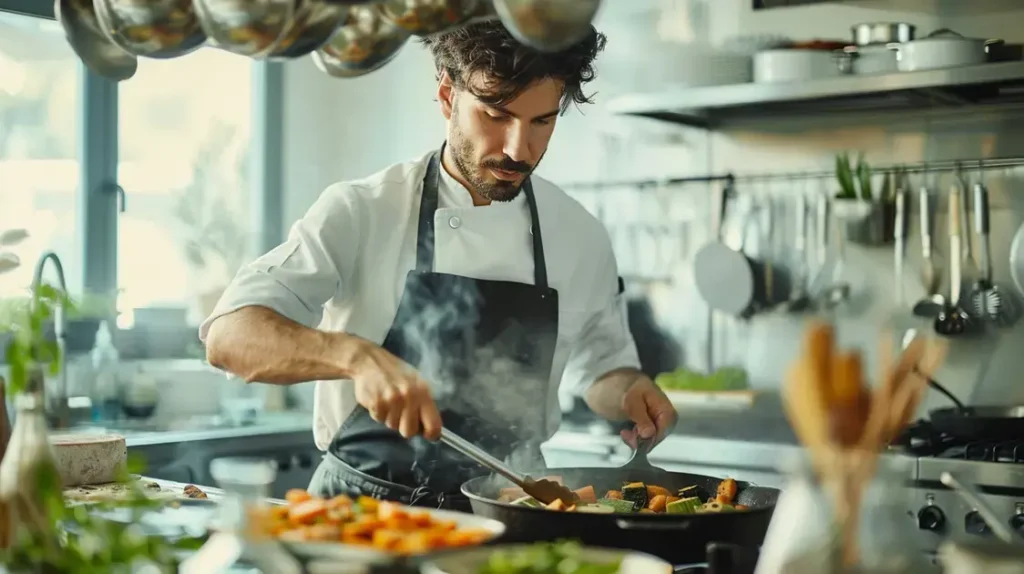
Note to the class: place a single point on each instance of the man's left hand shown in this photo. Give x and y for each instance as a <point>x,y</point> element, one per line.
<point>646,405</point>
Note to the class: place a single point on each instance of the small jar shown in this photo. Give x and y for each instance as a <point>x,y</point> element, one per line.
<point>806,532</point>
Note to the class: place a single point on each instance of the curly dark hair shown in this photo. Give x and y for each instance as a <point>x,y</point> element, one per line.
<point>510,66</point>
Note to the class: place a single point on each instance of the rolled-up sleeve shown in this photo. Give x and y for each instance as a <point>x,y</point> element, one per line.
<point>313,265</point>
<point>605,342</point>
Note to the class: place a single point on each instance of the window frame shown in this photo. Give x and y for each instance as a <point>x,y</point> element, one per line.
<point>98,196</point>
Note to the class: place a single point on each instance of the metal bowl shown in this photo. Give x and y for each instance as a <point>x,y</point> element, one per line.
<point>425,17</point>
<point>365,42</point>
<point>245,27</point>
<point>315,22</point>
<point>547,25</point>
<point>152,28</point>
<point>97,51</point>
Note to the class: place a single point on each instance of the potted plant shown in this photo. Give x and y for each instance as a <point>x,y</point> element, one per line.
<point>868,216</point>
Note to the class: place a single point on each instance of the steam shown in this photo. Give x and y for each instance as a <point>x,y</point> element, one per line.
<point>491,383</point>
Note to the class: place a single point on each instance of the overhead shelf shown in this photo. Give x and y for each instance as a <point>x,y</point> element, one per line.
<point>718,106</point>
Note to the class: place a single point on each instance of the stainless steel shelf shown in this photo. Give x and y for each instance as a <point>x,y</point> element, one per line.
<point>718,106</point>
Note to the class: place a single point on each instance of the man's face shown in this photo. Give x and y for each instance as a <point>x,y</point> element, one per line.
<point>496,148</point>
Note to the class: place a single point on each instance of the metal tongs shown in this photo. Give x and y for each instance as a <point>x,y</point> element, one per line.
<point>545,491</point>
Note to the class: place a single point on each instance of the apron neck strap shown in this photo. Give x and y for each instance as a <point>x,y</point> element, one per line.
<point>428,205</point>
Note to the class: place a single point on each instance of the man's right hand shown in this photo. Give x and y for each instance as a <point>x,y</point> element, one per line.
<point>394,393</point>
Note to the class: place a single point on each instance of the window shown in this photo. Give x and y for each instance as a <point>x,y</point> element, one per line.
<point>184,146</point>
<point>39,159</point>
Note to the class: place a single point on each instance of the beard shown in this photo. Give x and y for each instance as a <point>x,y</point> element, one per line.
<point>492,189</point>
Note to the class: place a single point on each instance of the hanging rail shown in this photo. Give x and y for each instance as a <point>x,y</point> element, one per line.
<point>907,168</point>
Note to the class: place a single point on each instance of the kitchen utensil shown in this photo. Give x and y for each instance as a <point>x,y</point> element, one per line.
<point>837,291</point>
<point>874,33</point>
<point>899,232</point>
<point>156,29</point>
<point>473,560</point>
<point>952,320</point>
<point>765,253</point>
<point>974,499</point>
<point>933,302</point>
<point>798,299</point>
<point>85,35</point>
<point>246,28</point>
<point>988,300</point>
<point>796,65</point>
<point>548,25</point>
<point>545,491</point>
<point>677,538</point>
<point>364,43</point>
<point>425,17</point>
<point>941,49</point>
<point>726,278</point>
<point>314,23</point>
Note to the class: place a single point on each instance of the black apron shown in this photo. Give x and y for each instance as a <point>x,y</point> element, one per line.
<point>485,346</point>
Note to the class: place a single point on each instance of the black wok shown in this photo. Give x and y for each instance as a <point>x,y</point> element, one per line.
<point>981,423</point>
<point>679,539</point>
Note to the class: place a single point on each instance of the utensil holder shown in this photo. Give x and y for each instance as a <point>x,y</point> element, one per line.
<point>873,226</point>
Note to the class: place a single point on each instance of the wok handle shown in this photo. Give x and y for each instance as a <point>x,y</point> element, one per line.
<point>663,525</point>
<point>474,452</point>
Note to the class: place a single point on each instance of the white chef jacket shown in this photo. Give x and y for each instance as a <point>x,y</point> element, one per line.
<point>344,264</point>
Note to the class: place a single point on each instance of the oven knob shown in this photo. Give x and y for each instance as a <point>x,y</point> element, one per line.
<point>931,518</point>
<point>1017,523</point>
<point>975,524</point>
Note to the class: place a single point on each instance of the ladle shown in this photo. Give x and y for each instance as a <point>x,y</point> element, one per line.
<point>932,303</point>
<point>798,299</point>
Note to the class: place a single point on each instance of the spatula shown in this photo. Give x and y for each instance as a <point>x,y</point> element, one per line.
<point>545,491</point>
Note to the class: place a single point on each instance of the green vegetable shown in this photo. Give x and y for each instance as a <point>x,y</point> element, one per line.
<point>724,379</point>
<point>616,504</point>
<point>684,506</point>
<point>527,501</point>
<point>562,557</point>
<point>598,509</point>
<point>636,493</point>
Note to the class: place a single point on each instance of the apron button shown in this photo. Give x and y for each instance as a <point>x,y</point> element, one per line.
<point>454,222</point>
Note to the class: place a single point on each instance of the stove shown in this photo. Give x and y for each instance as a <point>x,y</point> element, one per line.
<point>996,468</point>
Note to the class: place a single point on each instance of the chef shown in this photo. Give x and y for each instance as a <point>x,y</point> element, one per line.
<point>456,289</point>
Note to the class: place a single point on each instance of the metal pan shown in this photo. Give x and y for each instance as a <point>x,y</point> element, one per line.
<point>980,423</point>
<point>679,539</point>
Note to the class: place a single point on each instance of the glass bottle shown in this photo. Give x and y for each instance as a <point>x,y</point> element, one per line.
<point>806,531</point>
<point>30,487</point>
<point>246,483</point>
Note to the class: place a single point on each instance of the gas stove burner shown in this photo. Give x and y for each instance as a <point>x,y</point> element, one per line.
<point>1007,452</point>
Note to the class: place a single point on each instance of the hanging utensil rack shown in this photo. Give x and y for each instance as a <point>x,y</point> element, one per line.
<point>906,168</point>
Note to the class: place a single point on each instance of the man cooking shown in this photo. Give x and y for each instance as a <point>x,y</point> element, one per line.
<point>456,289</point>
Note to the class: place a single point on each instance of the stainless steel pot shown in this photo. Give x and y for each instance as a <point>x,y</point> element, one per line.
<point>425,17</point>
<point>365,42</point>
<point>314,23</point>
<point>155,28</point>
<point>547,25</point>
<point>873,33</point>
<point>98,52</point>
<point>246,27</point>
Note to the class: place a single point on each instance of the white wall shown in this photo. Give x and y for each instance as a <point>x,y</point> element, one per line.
<point>338,129</point>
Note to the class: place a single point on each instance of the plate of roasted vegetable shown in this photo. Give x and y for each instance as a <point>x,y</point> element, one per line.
<point>561,557</point>
<point>313,527</point>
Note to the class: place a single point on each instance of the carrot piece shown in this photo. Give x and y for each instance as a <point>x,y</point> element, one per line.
<point>654,490</point>
<point>339,501</point>
<point>726,491</point>
<point>614,494</point>
<point>297,495</point>
<point>556,504</point>
<point>386,539</point>
<point>421,519</point>
<point>368,504</point>
<point>307,512</point>
<point>324,532</point>
<point>657,504</point>
<point>387,510</point>
<point>586,494</point>
<point>445,525</point>
<point>419,542</point>
<point>741,507</point>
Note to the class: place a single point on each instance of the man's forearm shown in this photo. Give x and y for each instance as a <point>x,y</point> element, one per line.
<point>258,344</point>
<point>604,397</point>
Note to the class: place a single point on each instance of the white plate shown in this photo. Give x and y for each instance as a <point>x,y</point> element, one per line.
<point>332,550</point>
<point>470,561</point>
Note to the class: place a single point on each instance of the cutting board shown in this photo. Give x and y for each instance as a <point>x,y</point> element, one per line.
<point>89,458</point>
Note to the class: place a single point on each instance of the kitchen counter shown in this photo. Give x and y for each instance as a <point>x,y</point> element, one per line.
<point>206,429</point>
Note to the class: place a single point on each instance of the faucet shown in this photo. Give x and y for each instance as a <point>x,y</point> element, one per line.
<point>57,403</point>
